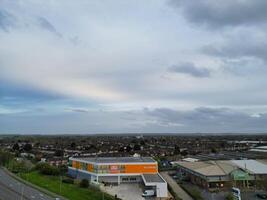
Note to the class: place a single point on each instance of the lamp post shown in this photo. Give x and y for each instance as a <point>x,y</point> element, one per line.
<point>60,184</point>
<point>22,191</point>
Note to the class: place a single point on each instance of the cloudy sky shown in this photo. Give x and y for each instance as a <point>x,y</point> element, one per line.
<point>159,66</point>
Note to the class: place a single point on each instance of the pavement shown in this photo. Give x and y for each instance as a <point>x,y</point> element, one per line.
<point>175,186</point>
<point>131,191</point>
<point>12,189</point>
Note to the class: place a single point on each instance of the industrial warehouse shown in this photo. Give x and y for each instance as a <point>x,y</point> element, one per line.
<point>119,170</point>
<point>223,173</point>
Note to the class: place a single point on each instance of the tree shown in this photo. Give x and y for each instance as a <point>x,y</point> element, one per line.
<point>177,150</point>
<point>84,183</point>
<point>213,150</point>
<point>184,153</point>
<point>137,147</point>
<point>59,153</point>
<point>142,142</point>
<point>63,169</point>
<point>46,169</point>
<point>15,147</point>
<point>229,196</point>
<point>27,147</point>
<point>21,166</point>
<point>73,145</point>
<point>128,148</point>
<point>5,158</point>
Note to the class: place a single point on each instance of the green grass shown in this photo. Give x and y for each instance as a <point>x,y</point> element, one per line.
<point>70,191</point>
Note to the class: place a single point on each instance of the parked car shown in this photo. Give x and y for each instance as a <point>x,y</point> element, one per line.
<point>262,195</point>
<point>236,193</point>
<point>148,193</point>
<point>175,177</point>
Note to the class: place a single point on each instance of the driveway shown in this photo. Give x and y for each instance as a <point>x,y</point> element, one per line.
<point>131,191</point>
<point>175,186</point>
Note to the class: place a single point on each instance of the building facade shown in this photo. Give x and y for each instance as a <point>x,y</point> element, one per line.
<point>223,173</point>
<point>118,170</point>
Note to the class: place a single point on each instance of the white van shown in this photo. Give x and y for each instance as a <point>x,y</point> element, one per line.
<point>148,193</point>
<point>236,193</point>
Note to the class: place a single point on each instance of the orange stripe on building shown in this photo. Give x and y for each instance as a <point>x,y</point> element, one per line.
<point>141,168</point>
<point>90,167</point>
<point>127,168</point>
<point>76,164</point>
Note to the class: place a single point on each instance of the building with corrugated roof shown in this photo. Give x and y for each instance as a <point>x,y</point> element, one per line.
<point>223,173</point>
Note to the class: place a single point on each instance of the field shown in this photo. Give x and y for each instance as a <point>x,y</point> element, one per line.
<point>70,191</point>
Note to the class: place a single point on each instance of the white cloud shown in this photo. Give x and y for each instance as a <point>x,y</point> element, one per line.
<point>117,55</point>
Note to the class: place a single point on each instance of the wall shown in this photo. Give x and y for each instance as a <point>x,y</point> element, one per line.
<point>117,169</point>
<point>123,179</point>
<point>78,175</point>
<point>109,179</point>
<point>162,190</point>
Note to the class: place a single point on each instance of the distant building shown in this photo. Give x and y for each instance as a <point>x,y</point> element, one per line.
<point>136,155</point>
<point>190,159</point>
<point>223,173</point>
<point>259,149</point>
<point>119,170</point>
<point>24,155</point>
<point>55,161</point>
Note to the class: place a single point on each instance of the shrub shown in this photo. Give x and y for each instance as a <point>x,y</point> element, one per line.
<point>68,180</point>
<point>46,169</point>
<point>63,169</point>
<point>5,158</point>
<point>27,147</point>
<point>84,183</point>
<point>229,196</point>
<point>21,166</point>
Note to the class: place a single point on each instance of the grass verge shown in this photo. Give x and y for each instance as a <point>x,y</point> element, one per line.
<point>69,191</point>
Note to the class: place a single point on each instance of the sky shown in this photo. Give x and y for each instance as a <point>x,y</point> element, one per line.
<point>155,66</point>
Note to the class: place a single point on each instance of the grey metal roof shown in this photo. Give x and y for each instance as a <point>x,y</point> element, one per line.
<point>153,178</point>
<point>253,166</point>
<point>118,159</point>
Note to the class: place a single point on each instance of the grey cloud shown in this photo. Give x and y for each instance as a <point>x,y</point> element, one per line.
<point>45,24</point>
<point>238,49</point>
<point>200,114</point>
<point>222,13</point>
<point>190,69</point>
<point>160,120</point>
<point>79,110</point>
<point>243,67</point>
<point>7,20</point>
<point>205,119</point>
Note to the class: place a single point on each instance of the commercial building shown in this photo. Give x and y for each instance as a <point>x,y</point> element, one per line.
<point>223,173</point>
<point>119,170</point>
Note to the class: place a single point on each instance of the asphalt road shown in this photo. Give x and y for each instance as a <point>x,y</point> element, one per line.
<point>11,189</point>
